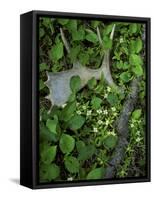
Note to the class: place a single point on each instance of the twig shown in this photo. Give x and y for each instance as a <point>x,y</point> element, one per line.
<point>64,41</point>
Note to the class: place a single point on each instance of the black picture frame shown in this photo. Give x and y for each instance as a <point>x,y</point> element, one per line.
<point>29,114</point>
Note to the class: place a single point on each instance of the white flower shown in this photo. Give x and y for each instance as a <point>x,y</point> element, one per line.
<point>108,89</point>
<point>105,96</point>
<point>105,112</point>
<point>88,112</point>
<point>107,122</point>
<point>99,111</point>
<point>138,139</point>
<point>132,125</point>
<point>115,114</point>
<point>78,112</point>
<point>113,109</point>
<point>77,104</point>
<point>100,122</point>
<point>95,130</point>
<point>138,133</point>
<point>63,106</point>
<point>70,178</point>
<point>84,107</point>
<point>121,40</point>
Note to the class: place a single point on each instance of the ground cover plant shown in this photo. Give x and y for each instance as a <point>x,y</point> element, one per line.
<point>99,132</point>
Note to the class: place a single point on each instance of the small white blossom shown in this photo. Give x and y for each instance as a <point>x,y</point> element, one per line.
<point>113,109</point>
<point>115,114</point>
<point>78,112</point>
<point>138,139</point>
<point>105,96</point>
<point>105,112</point>
<point>84,107</point>
<point>107,122</point>
<point>95,130</point>
<point>88,112</point>
<point>63,106</point>
<point>132,125</point>
<point>100,122</point>
<point>77,104</point>
<point>121,40</point>
<point>138,133</point>
<point>108,89</point>
<point>99,111</point>
<point>70,178</point>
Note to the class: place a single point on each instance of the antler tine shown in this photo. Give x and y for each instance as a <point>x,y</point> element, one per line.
<point>112,32</point>
<point>66,44</point>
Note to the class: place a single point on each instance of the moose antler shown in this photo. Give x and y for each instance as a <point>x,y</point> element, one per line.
<point>59,82</point>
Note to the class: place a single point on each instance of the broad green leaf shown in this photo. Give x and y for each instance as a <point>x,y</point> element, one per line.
<point>138,70</point>
<point>66,143</point>
<point>92,37</point>
<point>138,45</point>
<point>135,46</point>
<point>43,66</point>
<point>83,58</point>
<point>110,141</point>
<point>74,53</point>
<point>108,29</point>
<point>87,152</point>
<point>133,28</point>
<point>48,154</point>
<point>125,77</point>
<point>95,23</point>
<point>92,83</point>
<point>49,172</point>
<point>135,60</point>
<point>46,135</point>
<point>63,21</point>
<point>78,35</point>
<point>68,111</point>
<point>96,102</point>
<point>41,84</point>
<point>112,99</point>
<point>79,145</point>
<point>75,83</point>
<point>76,122</point>
<point>97,173</point>
<point>137,114</point>
<point>107,42</point>
<point>52,125</point>
<point>71,164</point>
<point>72,25</point>
<point>57,51</point>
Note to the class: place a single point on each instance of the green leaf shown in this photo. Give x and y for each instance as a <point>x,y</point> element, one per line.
<point>112,99</point>
<point>95,23</point>
<point>41,84</point>
<point>84,58</point>
<point>96,102</point>
<point>49,172</point>
<point>52,125</point>
<point>137,114</point>
<point>71,164</point>
<point>75,83</point>
<point>57,51</point>
<point>110,141</point>
<point>41,32</point>
<point>63,21</point>
<point>79,145</point>
<point>92,83</point>
<point>67,143</point>
<point>125,77</point>
<point>133,28</point>
<point>72,25</point>
<point>68,111</point>
<point>48,154</point>
<point>97,173</point>
<point>138,70</point>
<point>92,37</point>
<point>135,60</point>
<point>135,46</point>
<point>107,42</point>
<point>86,152</point>
<point>43,66</point>
<point>78,35</point>
<point>108,29</point>
<point>74,53</point>
<point>76,122</point>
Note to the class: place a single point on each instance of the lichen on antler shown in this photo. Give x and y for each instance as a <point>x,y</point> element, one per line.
<point>59,82</point>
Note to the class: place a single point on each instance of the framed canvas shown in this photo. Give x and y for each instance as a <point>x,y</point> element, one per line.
<point>85,99</point>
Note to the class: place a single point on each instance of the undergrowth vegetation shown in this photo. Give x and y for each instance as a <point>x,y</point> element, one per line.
<point>78,140</point>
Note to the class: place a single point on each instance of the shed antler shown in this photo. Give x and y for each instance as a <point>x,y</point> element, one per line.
<point>59,82</point>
